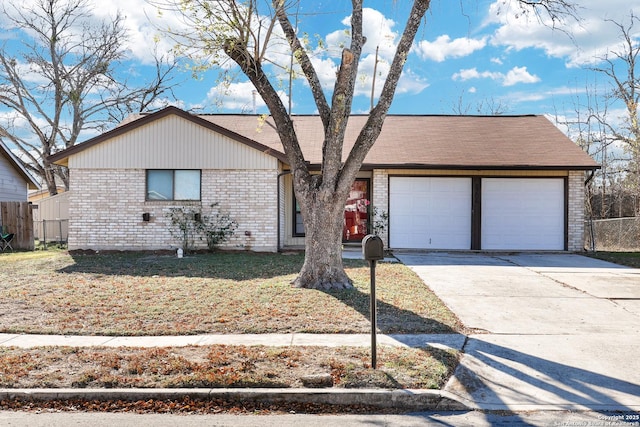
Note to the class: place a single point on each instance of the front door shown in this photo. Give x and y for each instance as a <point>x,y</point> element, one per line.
<point>356,212</point>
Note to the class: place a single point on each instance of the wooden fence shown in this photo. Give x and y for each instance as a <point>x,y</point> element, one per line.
<point>17,218</point>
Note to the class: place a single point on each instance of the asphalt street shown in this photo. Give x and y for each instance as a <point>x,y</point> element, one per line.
<point>458,419</point>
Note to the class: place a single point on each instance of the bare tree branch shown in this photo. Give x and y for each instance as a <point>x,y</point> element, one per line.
<point>300,54</point>
<point>66,64</point>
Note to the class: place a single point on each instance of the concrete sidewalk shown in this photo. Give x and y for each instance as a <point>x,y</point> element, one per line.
<point>441,341</point>
<point>561,329</point>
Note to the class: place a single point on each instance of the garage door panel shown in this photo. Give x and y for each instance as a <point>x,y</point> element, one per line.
<point>428,212</point>
<point>523,214</point>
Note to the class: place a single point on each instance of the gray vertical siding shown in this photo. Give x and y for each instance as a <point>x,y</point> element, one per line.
<point>13,188</point>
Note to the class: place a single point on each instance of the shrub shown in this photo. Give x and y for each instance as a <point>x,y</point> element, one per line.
<point>217,227</point>
<point>184,226</point>
<point>188,223</point>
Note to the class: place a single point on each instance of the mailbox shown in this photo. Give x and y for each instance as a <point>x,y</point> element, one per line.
<point>372,248</point>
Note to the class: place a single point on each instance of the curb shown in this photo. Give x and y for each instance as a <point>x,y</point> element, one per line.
<point>409,399</point>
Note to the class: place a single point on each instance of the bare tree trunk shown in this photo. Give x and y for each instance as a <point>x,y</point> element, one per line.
<point>322,209</point>
<point>49,178</point>
<point>323,268</point>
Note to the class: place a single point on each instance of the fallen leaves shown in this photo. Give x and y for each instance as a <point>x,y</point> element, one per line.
<point>188,406</point>
<point>221,366</point>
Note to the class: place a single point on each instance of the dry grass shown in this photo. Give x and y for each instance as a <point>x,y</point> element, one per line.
<point>221,366</point>
<point>155,294</point>
<point>630,259</point>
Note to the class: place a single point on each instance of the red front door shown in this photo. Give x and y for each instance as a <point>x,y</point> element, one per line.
<point>356,212</point>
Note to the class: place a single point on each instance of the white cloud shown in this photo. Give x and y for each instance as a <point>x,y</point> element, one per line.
<point>519,75</point>
<point>411,82</point>
<point>326,69</point>
<point>577,42</point>
<point>29,73</point>
<point>239,97</point>
<point>380,34</point>
<point>18,125</point>
<point>514,76</point>
<point>141,30</point>
<point>139,22</point>
<point>443,47</point>
<point>473,73</point>
<point>375,27</point>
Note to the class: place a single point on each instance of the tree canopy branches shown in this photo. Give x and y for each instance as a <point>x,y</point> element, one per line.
<point>61,79</point>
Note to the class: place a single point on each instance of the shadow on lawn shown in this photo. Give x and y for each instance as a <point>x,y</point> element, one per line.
<point>220,265</point>
<point>247,266</point>
<point>391,319</point>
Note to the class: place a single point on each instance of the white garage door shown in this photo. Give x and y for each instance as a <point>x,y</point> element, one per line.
<point>431,213</point>
<point>524,214</point>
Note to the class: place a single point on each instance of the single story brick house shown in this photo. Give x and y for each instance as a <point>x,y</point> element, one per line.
<point>15,180</point>
<point>446,182</point>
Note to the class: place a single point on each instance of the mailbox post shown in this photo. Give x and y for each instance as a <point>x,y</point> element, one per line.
<point>373,251</point>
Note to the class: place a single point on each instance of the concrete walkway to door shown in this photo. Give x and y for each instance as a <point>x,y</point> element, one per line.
<point>554,331</point>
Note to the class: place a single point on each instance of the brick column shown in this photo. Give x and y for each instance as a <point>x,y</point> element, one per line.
<point>576,211</point>
<point>381,198</point>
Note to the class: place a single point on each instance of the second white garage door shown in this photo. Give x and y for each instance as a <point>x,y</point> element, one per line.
<point>525,214</point>
<point>430,213</point>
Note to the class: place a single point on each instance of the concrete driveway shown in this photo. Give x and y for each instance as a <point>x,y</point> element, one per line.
<point>551,331</point>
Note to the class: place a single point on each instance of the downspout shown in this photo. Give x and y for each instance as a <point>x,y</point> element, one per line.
<point>280,175</point>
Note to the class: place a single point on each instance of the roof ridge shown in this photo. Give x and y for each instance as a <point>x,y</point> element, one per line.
<point>388,115</point>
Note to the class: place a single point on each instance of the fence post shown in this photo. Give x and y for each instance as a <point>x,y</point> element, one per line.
<point>44,233</point>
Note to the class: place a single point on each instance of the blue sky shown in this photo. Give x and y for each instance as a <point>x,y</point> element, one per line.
<point>468,56</point>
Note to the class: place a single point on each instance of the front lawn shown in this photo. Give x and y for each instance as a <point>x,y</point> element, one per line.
<point>153,294</point>
<point>52,292</point>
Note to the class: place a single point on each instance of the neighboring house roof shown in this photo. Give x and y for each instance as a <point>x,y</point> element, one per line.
<point>32,184</point>
<point>42,193</point>
<point>406,141</point>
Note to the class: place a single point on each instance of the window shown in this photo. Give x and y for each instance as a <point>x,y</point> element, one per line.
<point>298,225</point>
<point>167,184</point>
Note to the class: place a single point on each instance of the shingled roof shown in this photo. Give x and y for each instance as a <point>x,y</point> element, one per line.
<point>434,141</point>
<point>406,141</point>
